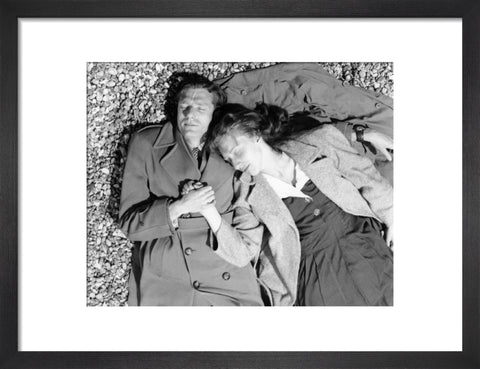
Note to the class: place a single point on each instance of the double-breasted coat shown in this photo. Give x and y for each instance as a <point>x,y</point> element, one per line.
<point>182,266</point>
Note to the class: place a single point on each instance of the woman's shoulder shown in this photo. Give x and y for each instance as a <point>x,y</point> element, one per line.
<point>324,132</point>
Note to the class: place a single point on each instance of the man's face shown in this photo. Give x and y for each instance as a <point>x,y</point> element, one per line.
<point>194,113</point>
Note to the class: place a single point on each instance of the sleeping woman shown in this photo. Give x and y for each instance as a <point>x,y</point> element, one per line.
<point>327,212</point>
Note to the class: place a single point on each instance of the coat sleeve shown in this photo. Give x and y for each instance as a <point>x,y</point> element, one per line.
<point>142,215</point>
<point>239,243</point>
<point>360,171</point>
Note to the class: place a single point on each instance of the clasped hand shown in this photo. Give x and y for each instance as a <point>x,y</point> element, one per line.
<point>197,197</point>
<point>381,142</point>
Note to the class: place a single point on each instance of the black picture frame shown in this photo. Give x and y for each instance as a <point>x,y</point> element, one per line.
<point>10,11</point>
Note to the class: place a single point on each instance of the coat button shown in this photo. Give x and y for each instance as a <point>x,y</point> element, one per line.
<point>188,251</point>
<point>243,92</point>
<point>316,212</point>
<point>196,285</point>
<point>377,105</point>
<point>226,276</point>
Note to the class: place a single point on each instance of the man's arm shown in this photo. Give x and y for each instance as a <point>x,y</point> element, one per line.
<point>143,216</point>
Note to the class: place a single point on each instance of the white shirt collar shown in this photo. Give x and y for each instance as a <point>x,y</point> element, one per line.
<point>283,189</point>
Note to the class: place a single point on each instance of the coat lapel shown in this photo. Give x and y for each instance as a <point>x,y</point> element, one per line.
<point>217,171</point>
<point>269,207</point>
<point>178,162</point>
<point>302,152</point>
<point>280,256</point>
<point>313,161</point>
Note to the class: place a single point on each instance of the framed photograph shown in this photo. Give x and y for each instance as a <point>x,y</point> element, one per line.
<point>79,78</point>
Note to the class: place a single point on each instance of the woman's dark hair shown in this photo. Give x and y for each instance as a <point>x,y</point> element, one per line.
<point>270,122</point>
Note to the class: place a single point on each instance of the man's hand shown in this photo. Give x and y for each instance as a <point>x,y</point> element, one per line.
<point>197,201</point>
<point>191,185</point>
<point>381,142</point>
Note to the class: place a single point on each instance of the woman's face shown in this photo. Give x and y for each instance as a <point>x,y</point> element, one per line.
<point>241,151</point>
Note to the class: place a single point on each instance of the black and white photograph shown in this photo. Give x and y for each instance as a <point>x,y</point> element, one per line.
<point>240,184</point>
<point>169,154</point>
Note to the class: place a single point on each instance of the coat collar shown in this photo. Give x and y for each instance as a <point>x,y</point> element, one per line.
<point>301,150</point>
<point>165,137</point>
<point>304,153</point>
<point>309,157</point>
<point>179,163</point>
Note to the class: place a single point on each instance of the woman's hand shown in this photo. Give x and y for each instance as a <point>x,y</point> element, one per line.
<point>211,214</point>
<point>389,236</point>
<point>381,142</point>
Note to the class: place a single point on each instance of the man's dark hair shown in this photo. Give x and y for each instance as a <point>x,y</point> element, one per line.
<point>181,81</point>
